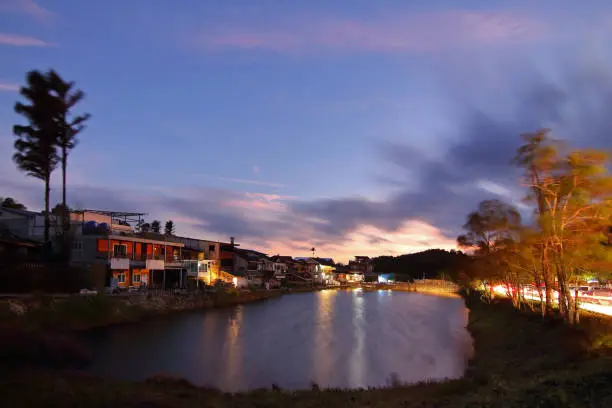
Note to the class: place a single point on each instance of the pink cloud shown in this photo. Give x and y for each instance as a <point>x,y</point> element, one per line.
<point>29,7</point>
<point>22,41</point>
<point>254,182</point>
<point>412,236</point>
<point>399,33</point>
<point>9,87</point>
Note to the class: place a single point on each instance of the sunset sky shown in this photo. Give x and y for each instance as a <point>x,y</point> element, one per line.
<point>358,127</point>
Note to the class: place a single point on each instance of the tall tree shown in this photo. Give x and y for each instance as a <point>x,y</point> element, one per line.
<point>572,190</point>
<point>36,153</point>
<point>68,127</point>
<point>538,156</point>
<point>169,228</point>
<point>156,226</point>
<point>10,202</point>
<point>491,234</point>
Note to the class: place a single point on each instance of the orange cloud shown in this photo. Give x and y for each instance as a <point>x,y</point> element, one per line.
<point>412,236</point>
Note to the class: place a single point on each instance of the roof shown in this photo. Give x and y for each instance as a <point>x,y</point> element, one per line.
<point>110,213</point>
<point>251,254</point>
<point>144,240</point>
<point>27,213</point>
<point>8,237</point>
<point>279,258</point>
<point>202,240</point>
<point>325,261</point>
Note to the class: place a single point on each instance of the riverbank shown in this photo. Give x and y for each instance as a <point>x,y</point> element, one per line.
<point>520,361</point>
<point>77,313</point>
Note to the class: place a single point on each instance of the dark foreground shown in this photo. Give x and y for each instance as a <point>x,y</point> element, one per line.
<point>520,361</point>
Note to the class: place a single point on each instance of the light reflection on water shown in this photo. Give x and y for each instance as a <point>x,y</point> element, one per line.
<point>334,338</point>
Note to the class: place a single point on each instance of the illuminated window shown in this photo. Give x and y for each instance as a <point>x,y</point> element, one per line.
<point>121,278</point>
<point>136,278</point>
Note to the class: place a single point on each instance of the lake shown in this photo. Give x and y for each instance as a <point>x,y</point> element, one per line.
<point>335,338</point>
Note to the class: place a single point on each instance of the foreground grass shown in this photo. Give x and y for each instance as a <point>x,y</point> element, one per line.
<point>520,361</point>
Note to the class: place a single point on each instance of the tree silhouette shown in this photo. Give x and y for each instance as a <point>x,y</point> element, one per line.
<point>35,146</point>
<point>169,228</point>
<point>10,202</point>
<point>156,226</point>
<point>66,98</point>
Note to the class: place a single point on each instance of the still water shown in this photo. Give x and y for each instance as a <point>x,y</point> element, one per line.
<point>334,338</point>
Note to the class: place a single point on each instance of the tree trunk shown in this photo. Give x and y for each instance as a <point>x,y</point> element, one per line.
<point>64,165</point>
<point>47,193</point>
<point>547,283</point>
<point>65,213</point>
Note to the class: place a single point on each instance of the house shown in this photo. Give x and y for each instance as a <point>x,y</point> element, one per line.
<point>281,267</point>
<point>29,224</point>
<point>14,248</point>
<point>208,261</point>
<point>297,272</point>
<point>325,270</point>
<point>106,243</point>
<point>358,269</point>
<point>340,274</point>
<point>255,266</point>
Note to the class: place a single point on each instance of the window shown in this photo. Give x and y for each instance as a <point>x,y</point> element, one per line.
<point>211,248</point>
<point>77,246</point>
<point>121,278</point>
<point>136,278</point>
<point>120,251</point>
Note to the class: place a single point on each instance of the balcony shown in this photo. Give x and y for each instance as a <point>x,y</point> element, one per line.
<point>119,261</point>
<point>155,262</point>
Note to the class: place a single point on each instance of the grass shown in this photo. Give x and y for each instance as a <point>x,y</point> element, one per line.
<point>520,361</point>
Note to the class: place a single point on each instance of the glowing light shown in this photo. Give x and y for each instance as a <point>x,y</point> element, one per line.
<point>235,280</point>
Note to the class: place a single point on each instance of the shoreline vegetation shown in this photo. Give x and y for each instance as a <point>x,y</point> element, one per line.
<point>520,360</point>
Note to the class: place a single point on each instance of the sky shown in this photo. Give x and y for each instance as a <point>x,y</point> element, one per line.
<point>356,127</point>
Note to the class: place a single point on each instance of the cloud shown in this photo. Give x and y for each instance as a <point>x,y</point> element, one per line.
<point>398,33</point>
<point>22,41</point>
<point>28,7</point>
<point>257,220</point>
<point>474,162</point>
<point>9,87</point>
<point>254,182</point>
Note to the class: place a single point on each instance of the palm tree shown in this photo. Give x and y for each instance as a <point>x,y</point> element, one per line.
<point>68,129</point>
<point>36,153</point>
<point>313,251</point>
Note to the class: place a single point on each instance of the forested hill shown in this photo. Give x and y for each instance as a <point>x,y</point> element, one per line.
<point>434,263</point>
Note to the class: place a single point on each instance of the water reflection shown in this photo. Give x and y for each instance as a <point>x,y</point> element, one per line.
<point>233,347</point>
<point>323,360</point>
<point>358,359</point>
<point>335,338</point>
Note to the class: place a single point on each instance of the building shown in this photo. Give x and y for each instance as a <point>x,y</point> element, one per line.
<point>29,224</point>
<point>281,267</point>
<point>254,265</point>
<point>208,261</point>
<point>105,243</point>
<point>325,270</point>
<point>15,248</point>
